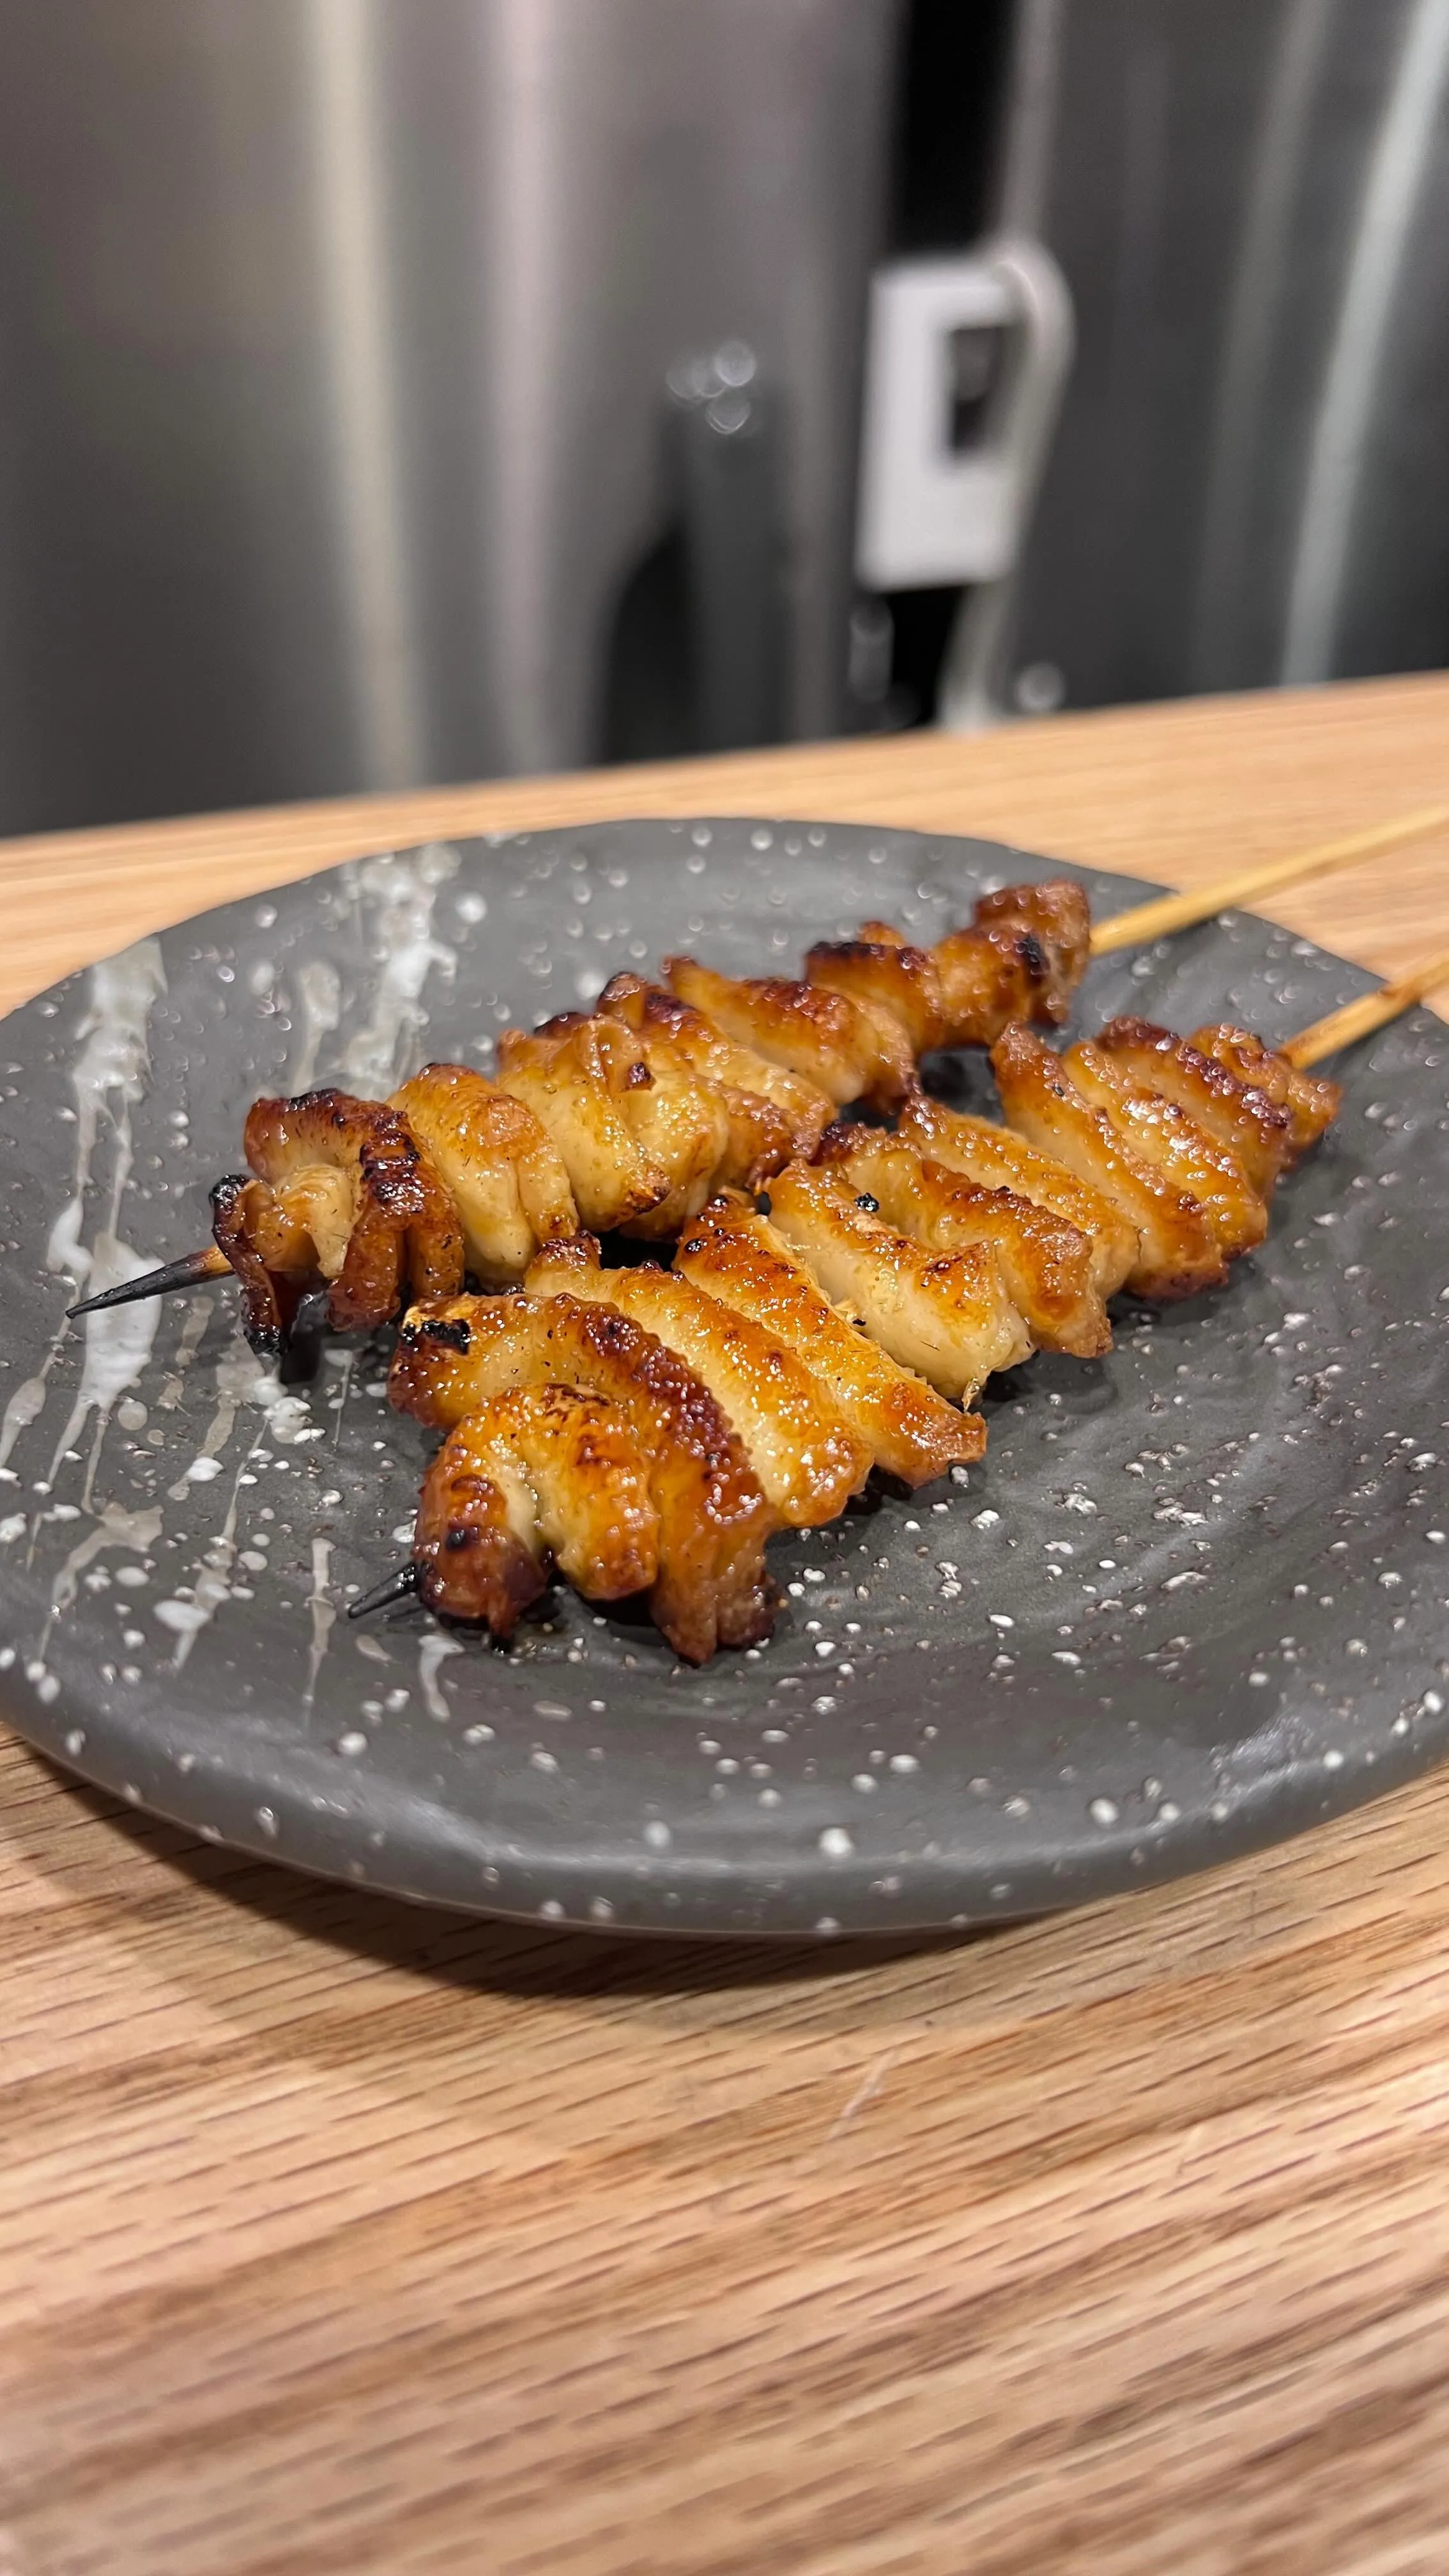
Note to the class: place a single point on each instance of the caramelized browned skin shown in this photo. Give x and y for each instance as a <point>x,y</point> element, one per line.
<point>882,973</point>
<point>1046,1264</point>
<point>739,1257</point>
<point>577,1075</point>
<point>1312,1104</point>
<point>455,1354</point>
<point>535,1476</point>
<point>644,1140</point>
<point>1240,1115</point>
<point>701,1132</point>
<point>808,1460</point>
<point>945,1315</point>
<point>786,1114</point>
<point>1175,1145</point>
<point>343,1195</point>
<point>998,1159</point>
<point>1178,1250</point>
<point>1021,959</point>
<point>1046,930</point>
<point>502,1171</point>
<point>846,1051</point>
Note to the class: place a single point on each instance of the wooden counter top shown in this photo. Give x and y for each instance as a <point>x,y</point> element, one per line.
<point>340,2237</point>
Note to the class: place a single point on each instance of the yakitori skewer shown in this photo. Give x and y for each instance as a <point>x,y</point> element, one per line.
<point>633,1115</point>
<point>830,1325</point>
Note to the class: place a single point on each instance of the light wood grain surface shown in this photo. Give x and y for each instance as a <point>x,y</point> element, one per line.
<point>337,2237</point>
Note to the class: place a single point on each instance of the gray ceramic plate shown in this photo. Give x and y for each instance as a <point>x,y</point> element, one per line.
<point>1194,1600</point>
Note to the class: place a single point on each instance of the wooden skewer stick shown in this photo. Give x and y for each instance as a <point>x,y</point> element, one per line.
<point>400,1585</point>
<point>1358,1019</point>
<point>1179,911</point>
<point>187,1272</point>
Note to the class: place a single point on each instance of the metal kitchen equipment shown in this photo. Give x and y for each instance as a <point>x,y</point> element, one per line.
<point>336,337</point>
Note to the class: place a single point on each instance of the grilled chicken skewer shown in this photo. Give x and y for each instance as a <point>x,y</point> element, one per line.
<point>892,1271</point>
<point>628,1117</point>
<point>646,1431</point>
<point>634,1115</point>
<point>621,1125</point>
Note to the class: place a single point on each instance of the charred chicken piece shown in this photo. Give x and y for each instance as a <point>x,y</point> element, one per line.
<point>504,1175</point>
<point>343,1196</point>
<point>1178,1247</point>
<point>1237,1112</point>
<point>802,1449</point>
<point>743,1260</point>
<point>883,975</point>
<point>945,1315</point>
<point>998,1159</point>
<point>576,1074</point>
<point>711,1589</point>
<point>641,1138</point>
<point>1311,1103</point>
<point>1021,959</point>
<point>843,1049</point>
<point>1175,1144</point>
<point>1046,1264</point>
<point>774,1113</point>
<point>1046,930</point>
<point>538,1476</point>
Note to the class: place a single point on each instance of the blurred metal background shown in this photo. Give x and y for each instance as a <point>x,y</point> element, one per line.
<point>335,449</point>
<point>1250,482</point>
<point>395,390</point>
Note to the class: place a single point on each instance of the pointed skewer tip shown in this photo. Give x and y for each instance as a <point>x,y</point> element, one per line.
<point>192,1270</point>
<point>400,1585</point>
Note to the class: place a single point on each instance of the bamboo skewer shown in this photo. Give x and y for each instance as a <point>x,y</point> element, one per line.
<point>190,1270</point>
<point>1371,1011</point>
<point>1169,912</point>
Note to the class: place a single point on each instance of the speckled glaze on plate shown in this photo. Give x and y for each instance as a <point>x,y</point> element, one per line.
<point>1194,1599</point>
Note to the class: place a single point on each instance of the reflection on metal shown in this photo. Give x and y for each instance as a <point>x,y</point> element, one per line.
<point>332,337</point>
<point>1396,176</point>
<point>972,688</point>
<point>1250,200</point>
<point>1260,281</point>
<point>358,337</point>
<point>728,442</point>
<point>524,375</point>
<point>1033,98</point>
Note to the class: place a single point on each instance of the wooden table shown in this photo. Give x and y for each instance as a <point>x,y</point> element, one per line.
<point>339,2237</point>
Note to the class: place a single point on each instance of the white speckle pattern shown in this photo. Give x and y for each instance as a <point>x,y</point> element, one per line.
<point>196,1568</point>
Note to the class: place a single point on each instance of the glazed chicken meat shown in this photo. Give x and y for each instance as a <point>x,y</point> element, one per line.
<point>839,1291</point>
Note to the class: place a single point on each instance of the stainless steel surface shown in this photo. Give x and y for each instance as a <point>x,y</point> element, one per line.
<point>1251,204</point>
<point>972,689</point>
<point>333,338</point>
